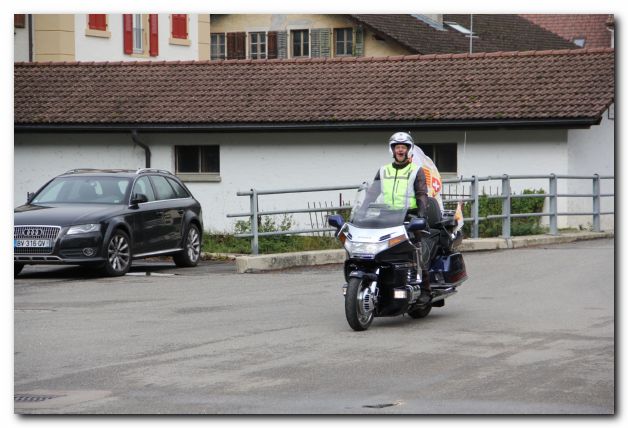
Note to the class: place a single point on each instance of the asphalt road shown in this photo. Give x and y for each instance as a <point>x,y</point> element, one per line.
<point>531,332</point>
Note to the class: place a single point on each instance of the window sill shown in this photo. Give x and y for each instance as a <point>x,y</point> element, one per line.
<point>180,42</point>
<point>97,33</point>
<point>209,177</point>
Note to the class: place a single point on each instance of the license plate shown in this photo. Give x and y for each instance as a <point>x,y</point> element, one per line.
<point>31,243</point>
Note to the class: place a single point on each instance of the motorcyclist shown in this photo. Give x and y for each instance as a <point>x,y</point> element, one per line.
<point>395,177</point>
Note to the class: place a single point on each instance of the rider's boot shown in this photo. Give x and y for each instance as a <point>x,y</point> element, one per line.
<point>426,289</point>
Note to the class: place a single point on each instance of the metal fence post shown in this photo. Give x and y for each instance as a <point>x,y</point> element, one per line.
<point>475,208</point>
<point>553,201</point>
<point>254,209</point>
<point>596,202</point>
<point>506,206</point>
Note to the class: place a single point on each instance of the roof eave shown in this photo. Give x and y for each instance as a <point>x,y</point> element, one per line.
<point>311,126</point>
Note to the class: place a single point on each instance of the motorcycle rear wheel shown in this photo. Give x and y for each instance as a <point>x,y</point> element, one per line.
<point>358,318</point>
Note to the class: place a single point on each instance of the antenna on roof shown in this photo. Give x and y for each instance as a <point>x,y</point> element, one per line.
<point>471,37</point>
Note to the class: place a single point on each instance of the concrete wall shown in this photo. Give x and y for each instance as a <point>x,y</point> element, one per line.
<point>96,48</point>
<point>20,43</point>
<point>592,151</point>
<point>289,160</point>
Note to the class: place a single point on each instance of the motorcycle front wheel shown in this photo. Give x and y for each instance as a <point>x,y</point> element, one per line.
<point>359,306</point>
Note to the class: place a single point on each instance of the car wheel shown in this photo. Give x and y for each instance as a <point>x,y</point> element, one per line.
<point>17,268</point>
<point>191,248</point>
<point>117,254</point>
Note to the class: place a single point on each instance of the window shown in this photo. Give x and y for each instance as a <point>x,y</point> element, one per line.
<point>178,189</point>
<point>579,41</point>
<point>197,159</point>
<point>19,20</point>
<point>138,46</point>
<point>257,48</point>
<point>163,189</point>
<point>179,26</point>
<point>459,28</point>
<point>143,186</point>
<point>97,21</point>
<point>445,156</point>
<point>343,39</point>
<point>300,43</point>
<point>217,46</point>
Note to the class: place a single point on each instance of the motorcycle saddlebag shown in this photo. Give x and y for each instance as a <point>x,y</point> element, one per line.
<point>449,269</point>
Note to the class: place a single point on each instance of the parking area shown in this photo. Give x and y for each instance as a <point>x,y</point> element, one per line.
<point>531,332</point>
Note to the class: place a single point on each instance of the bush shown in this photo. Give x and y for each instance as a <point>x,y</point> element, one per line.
<point>228,243</point>
<point>518,226</point>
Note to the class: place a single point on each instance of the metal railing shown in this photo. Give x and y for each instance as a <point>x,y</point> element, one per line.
<point>474,199</point>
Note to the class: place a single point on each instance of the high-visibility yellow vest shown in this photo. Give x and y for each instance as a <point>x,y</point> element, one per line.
<point>398,184</point>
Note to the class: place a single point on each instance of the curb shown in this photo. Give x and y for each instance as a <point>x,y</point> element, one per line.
<point>269,262</point>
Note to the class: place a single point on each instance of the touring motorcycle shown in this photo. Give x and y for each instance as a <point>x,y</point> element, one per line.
<point>387,250</point>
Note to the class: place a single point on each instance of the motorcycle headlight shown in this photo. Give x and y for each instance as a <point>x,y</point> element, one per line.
<point>368,249</point>
<point>83,228</point>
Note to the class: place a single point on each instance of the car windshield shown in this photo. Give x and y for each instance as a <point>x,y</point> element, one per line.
<point>371,210</point>
<point>84,190</point>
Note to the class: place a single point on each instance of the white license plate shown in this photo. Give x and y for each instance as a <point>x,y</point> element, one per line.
<point>31,243</point>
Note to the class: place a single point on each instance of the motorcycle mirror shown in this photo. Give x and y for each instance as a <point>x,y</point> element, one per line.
<point>417,224</point>
<point>336,221</point>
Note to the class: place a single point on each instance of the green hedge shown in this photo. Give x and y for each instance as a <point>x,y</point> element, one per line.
<point>518,226</point>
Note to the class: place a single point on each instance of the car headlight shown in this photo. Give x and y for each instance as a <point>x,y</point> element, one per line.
<point>83,228</point>
<point>365,248</point>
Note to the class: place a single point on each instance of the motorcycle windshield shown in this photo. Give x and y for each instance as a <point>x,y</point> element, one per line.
<point>374,209</point>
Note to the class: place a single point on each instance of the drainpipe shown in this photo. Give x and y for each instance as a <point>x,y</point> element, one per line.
<point>30,37</point>
<point>137,141</point>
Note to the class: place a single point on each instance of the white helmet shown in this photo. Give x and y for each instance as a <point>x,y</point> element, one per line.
<point>400,138</point>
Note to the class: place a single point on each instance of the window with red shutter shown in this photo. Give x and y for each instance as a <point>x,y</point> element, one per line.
<point>19,20</point>
<point>154,34</point>
<point>97,21</point>
<point>127,25</point>
<point>179,26</point>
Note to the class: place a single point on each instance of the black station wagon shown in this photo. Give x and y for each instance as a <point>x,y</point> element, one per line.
<point>107,218</point>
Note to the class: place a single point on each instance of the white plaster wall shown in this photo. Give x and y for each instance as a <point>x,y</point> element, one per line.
<point>285,160</point>
<point>592,151</point>
<point>20,43</point>
<point>40,157</point>
<point>90,48</point>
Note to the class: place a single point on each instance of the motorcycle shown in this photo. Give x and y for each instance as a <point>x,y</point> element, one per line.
<point>387,251</point>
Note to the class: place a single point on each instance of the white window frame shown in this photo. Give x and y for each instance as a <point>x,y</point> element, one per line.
<point>215,47</point>
<point>258,44</point>
<point>138,33</point>
<point>348,36</point>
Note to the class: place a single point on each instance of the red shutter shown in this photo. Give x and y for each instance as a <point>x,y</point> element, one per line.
<point>241,45</point>
<point>97,21</point>
<point>127,25</point>
<point>179,26</point>
<point>154,34</point>
<point>19,20</point>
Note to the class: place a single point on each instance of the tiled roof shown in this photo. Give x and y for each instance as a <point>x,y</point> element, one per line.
<point>494,33</point>
<point>592,27</point>
<point>429,88</point>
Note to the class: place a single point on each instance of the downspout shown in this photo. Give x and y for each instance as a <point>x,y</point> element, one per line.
<point>137,141</point>
<point>30,37</point>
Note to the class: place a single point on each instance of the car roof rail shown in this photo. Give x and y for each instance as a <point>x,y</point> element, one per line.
<point>87,170</point>
<point>145,170</point>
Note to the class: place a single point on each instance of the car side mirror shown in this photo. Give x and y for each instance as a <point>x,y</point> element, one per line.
<point>336,221</point>
<point>417,224</point>
<point>29,197</point>
<point>138,198</point>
